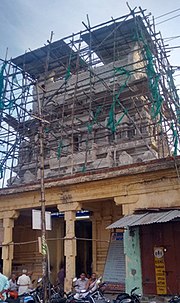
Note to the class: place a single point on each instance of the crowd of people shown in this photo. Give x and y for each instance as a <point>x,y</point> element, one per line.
<point>14,286</point>
<point>84,283</point>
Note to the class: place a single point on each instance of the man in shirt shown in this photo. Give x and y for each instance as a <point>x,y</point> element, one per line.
<point>4,285</point>
<point>23,282</point>
<point>13,288</point>
<point>80,285</point>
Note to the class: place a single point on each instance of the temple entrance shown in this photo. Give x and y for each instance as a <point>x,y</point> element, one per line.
<point>83,230</point>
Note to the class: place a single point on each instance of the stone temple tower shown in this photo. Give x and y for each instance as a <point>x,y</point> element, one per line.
<point>98,96</point>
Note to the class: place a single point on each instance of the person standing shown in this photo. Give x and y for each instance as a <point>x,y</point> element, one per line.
<point>4,286</point>
<point>24,282</point>
<point>61,277</point>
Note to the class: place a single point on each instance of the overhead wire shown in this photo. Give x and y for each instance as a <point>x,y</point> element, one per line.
<point>168,13</point>
<point>168,19</point>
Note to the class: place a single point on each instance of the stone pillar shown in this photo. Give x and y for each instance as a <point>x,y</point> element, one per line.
<point>94,243</point>
<point>70,248</point>
<point>101,236</point>
<point>8,245</point>
<point>128,202</point>
<point>59,225</point>
<point>69,210</point>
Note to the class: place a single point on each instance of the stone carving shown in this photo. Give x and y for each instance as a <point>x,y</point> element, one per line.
<point>94,151</point>
<point>109,158</point>
<point>28,177</point>
<point>149,155</point>
<point>125,158</point>
<point>14,181</point>
<point>125,119</point>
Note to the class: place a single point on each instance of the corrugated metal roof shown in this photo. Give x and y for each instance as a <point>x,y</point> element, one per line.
<point>146,218</point>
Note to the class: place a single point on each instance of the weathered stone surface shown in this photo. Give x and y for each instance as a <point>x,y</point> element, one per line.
<point>148,155</point>
<point>28,177</point>
<point>125,158</point>
<point>14,181</point>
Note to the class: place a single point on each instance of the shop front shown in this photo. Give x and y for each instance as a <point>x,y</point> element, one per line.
<point>151,248</point>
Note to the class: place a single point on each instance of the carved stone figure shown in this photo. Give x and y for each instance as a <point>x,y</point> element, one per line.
<point>125,158</point>
<point>28,177</point>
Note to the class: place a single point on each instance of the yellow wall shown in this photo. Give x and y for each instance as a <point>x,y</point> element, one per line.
<point>109,195</point>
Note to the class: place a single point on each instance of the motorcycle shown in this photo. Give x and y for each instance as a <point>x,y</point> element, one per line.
<point>95,295</point>
<point>24,298</point>
<point>32,296</point>
<point>36,295</point>
<point>56,295</point>
<point>128,298</point>
<point>174,299</point>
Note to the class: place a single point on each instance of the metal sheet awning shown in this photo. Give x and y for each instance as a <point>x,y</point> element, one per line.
<point>145,218</point>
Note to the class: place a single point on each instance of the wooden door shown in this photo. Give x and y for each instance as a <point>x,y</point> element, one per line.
<point>166,236</point>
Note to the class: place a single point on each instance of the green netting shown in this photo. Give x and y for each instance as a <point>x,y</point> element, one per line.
<point>178,114</point>
<point>83,168</point>
<point>111,118</point>
<point>68,73</point>
<point>8,104</point>
<point>94,120</point>
<point>60,147</point>
<point>175,139</point>
<point>120,119</point>
<point>153,81</point>
<point>152,76</point>
<point>111,123</point>
<point>47,129</point>
<point>122,71</point>
<point>156,98</point>
<point>174,93</point>
<point>2,85</point>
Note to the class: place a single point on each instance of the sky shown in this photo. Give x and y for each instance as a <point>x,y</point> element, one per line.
<point>27,24</point>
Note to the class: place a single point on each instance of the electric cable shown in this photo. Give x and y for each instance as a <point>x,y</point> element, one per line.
<point>168,13</point>
<point>168,19</point>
